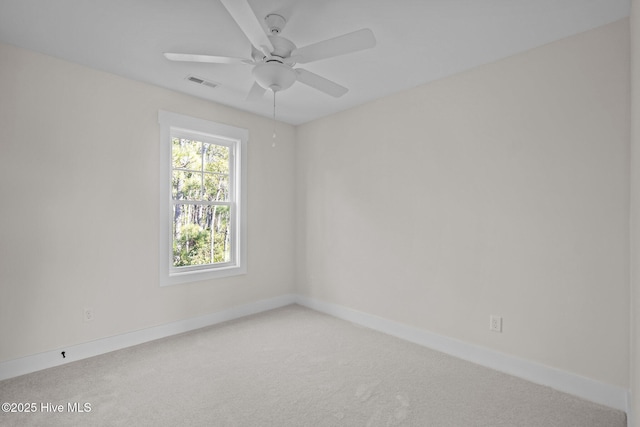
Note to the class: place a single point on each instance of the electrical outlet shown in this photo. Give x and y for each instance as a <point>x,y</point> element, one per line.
<point>88,315</point>
<point>495,323</point>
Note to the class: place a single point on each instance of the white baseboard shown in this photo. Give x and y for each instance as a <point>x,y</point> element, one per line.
<point>36,362</point>
<point>595,391</point>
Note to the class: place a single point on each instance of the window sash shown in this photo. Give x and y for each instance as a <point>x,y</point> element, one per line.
<point>213,140</point>
<point>232,241</point>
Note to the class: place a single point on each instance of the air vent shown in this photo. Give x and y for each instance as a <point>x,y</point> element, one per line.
<point>201,81</point>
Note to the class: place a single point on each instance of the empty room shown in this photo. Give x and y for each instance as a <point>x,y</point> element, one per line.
<point>320,213</point>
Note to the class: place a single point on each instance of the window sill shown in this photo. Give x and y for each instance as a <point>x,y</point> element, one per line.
<point>200,275</point>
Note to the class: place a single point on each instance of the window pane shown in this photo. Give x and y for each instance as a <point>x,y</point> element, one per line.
<point>186,185</point>
<point>186,154</point>
<point>201,235</point>
<point>222,234</point>
<point>216,187</point>
<point>216,158</point>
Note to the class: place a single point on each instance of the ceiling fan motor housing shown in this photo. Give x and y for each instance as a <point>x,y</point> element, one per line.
<point>282,47</point>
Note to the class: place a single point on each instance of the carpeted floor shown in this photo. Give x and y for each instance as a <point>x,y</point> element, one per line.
<point>289,367</point>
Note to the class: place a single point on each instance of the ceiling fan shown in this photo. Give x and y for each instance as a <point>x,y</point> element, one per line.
<point>274,57</point>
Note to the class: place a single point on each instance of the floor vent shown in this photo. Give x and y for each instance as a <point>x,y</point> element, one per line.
<point>202,81</point>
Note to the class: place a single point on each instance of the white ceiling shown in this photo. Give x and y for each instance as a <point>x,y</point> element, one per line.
<point>417,41</point>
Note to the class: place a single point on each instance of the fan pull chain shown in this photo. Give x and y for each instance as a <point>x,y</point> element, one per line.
<point>274,119</point>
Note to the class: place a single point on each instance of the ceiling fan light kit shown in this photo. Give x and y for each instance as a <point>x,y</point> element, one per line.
<point>274,57</point>
<point>274,75</point>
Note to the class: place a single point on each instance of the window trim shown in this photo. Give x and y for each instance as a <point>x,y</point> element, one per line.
<point>208,131</point>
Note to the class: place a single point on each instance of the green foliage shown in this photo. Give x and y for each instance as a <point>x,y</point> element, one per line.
<point>192,247</point>
<point>200,174</point>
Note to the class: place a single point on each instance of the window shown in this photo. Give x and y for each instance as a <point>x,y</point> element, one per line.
<point>202,199</point>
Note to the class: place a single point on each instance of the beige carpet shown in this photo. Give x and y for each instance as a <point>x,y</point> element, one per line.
<point>290,367</point>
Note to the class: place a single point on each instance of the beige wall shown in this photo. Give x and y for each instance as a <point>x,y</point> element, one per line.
<point>80,207</point>
<point>503,190</point>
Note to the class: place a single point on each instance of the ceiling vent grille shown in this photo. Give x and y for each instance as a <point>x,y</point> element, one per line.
<point>201,81</point>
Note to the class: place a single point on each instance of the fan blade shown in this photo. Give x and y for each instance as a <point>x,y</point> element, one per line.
<point>347,43</point>
<point>320,83</point>
<point>189,57</point>
<point>256,93</point>
<point>241,12</point>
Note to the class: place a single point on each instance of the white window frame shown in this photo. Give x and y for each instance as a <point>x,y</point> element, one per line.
<point>178,125</point>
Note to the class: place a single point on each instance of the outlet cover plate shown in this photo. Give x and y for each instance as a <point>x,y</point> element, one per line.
<point>495,323</point>
<point>87,315</point>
